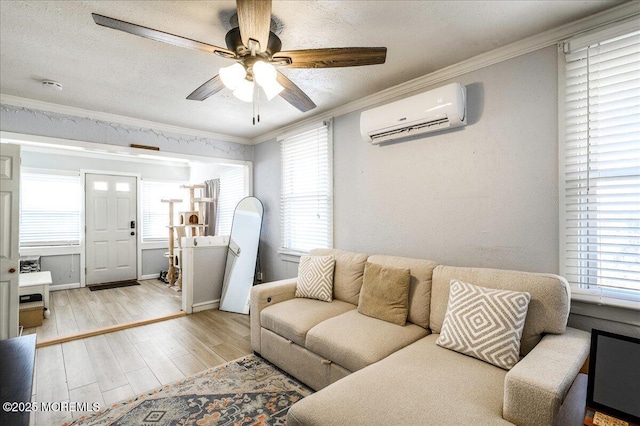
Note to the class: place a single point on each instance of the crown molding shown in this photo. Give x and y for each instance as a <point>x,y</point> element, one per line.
<point>115,118</point>
<point>626,11</point>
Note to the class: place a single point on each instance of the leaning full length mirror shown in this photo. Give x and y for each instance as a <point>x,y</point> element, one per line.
<point>241,259</point>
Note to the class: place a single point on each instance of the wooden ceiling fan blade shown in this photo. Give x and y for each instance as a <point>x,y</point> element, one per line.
<point>209,88</point>
<point>332,57</point>
<point>294,95</point>
<point>254,20</point>
<point>168,38</point>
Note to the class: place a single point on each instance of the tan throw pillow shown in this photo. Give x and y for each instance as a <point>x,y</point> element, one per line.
<point>385,293</point>
<point>484,323</point>
<point>315,278</point>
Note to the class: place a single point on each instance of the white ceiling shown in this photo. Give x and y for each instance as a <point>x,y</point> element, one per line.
<point>110,71</point>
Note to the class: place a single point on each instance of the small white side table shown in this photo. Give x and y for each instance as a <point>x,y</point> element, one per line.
<point>36,282</point>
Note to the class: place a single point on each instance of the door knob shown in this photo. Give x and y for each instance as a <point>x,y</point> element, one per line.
<point>133,233</point>
<point>12,270</point>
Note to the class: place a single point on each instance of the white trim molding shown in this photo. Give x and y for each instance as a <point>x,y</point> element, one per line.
<point>121,153</point>
<point>205,306</point>
<point>56,287</point>
<point>149,277</point>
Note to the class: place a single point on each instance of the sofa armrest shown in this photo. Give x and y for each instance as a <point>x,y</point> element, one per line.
<point>264,295</point>
<point>536,386</point>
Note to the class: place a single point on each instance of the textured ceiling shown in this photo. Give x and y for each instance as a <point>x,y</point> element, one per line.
<point>111,71</point>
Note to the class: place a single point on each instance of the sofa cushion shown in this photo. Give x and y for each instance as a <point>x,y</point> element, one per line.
<point>347,275</point>
<point>293,318</point>
<point>385,293</point>
<point>353,340</point>
<point>422,383</point>
<point>420,288</point>
<point>315,278</point>
<point>548,309</point>
<point>484,323</point>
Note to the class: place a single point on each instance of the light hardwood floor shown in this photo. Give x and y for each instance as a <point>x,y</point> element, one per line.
<point>115,366</point>
<point>80,309</point>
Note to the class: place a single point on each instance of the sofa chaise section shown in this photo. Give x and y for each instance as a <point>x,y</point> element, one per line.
<point>424,383</point>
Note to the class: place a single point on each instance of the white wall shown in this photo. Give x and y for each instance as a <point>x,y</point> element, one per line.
<point>43,123</point>
<point>485,195</point>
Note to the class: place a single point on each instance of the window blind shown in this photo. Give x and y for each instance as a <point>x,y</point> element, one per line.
<point>306,201</point>
<point>602,164</point>
<point>49,209</point>
<point>232,190</point>
<point>155,214</point>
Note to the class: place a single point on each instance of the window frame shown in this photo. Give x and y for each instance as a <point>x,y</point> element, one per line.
<point>290,253</point>
<point>592,294</point>
<point>185,199</point>
<point>48,244</point>
<point>223,204</point>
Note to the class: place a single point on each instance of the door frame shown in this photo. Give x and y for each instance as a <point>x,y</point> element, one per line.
<point>83,218</point>
<point>9,297</point>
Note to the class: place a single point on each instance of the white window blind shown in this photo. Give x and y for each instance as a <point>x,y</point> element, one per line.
<point>601,176</point>
<point>232,190</point>
<point>155,214</point>
<point>49,209</point>
<point>306,200</point>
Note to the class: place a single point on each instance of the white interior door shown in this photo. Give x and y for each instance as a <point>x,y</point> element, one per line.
<point>9,242</point>
<point>110,228</point>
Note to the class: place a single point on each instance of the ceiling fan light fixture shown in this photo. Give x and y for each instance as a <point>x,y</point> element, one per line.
<point>244,90</point>
<point>272,89</point>
<point>264,73</point>
<point>232,76</point>
<point>266,76</point>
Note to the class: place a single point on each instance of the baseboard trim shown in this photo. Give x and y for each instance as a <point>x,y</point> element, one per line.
<point>149,277</point>
<point>205,306</point>
<point>56,287</point>
<point>110,329</point>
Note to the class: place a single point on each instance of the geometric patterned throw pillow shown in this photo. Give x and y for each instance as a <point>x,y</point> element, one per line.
<point>315,278</point>
<point>484,323</point>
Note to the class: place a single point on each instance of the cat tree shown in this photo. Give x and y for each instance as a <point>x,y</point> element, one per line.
<point>171,272</point>
<point>191,224</point>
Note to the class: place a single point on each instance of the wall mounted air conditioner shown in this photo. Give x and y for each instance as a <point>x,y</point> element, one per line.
<point>438,109</point>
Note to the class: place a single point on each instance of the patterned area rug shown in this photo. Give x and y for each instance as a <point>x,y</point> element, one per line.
<point>247,391</point>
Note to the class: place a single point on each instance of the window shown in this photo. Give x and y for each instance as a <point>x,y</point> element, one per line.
<point>155,214</point>
<point>600,167</point>
<point>49,209</point>
<point>306,198</point>
<point>232,190</point>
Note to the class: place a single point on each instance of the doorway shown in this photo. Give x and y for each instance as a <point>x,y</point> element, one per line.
<point>111,228</point>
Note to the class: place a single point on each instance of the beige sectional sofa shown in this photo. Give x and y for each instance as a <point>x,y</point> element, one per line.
<point>369,371</point>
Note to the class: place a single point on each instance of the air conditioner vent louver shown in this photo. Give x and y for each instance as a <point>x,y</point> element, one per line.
<point>439,109</point>
<point>438,124</point>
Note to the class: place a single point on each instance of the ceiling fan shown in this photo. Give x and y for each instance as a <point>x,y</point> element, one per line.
<point>256,51</point>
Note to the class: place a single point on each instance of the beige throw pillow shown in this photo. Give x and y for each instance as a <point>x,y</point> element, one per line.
<point>385,293</point>
<point>315,278</point>
<point>484,323</point>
